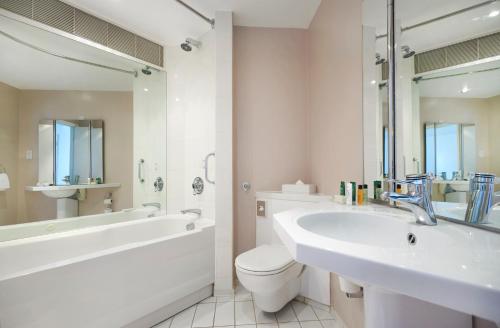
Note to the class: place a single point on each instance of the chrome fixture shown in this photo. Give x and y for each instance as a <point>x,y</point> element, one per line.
<point>407,52</point>
<point>246,186</point>
<point>378,59</point>
<point>417,199</point>
<point>198,186</point>
<point>158,184</point>
<point>192,210</point>
<point>210,21</point>
<point>189,44</point>
<point>482,199</point>
<point>146,70</point>
<point>157,205</point>
<point>205,166</point>
<point>140,170</point>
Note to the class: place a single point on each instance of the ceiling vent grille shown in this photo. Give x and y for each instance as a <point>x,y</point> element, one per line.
<point>459,53</point>
<point>66,18</point>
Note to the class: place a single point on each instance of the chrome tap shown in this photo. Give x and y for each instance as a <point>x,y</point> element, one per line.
<point>417,199</point>
<point>482,198</point>
<point>192,210</point>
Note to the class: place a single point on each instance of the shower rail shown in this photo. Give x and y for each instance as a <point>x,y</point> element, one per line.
<point>207,179</point>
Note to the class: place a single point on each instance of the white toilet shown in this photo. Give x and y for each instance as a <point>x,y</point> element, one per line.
<point>271,274</point>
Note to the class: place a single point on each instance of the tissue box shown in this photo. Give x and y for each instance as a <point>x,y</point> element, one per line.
<point>299,188</point>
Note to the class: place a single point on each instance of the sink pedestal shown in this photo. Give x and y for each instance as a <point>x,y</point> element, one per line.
<point>67,208</point>
<point>391,310</point>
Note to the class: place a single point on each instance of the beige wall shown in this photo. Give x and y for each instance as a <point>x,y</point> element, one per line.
<point>9,119</point>
<point>270,118</point>
<point>115,108</point>
<point>494,137</point>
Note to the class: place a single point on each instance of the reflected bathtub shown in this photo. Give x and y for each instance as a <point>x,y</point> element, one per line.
<point>130,274</point>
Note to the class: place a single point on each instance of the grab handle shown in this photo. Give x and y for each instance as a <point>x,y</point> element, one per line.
<point>140,169</point>
<point>206,168</point>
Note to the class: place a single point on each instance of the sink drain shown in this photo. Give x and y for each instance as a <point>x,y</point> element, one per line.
<point>412,239</point>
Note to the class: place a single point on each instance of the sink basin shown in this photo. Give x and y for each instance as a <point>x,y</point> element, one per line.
<point>384,247</point>
<point>64,193</point>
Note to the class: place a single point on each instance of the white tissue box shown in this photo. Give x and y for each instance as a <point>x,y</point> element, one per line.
<point>299,188</point>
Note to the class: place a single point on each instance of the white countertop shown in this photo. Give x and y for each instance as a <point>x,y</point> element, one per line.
<point>451,265</point>
<point>72,187</point>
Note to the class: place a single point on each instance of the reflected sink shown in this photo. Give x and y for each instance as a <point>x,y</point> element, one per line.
<point>64,193</point>
<point>451,265</point>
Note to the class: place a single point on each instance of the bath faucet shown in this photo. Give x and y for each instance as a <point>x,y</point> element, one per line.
<point>192,210</point>
<point>482,198</point>
<point>157,205</point>
<point>417,199</point>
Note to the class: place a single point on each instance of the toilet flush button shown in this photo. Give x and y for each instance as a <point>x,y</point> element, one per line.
<point>261,208</point>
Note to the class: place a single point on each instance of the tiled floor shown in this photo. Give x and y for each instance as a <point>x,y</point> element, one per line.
<point>240,311</point>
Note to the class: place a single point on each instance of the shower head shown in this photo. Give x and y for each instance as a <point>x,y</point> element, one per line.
<point>407,52</point>
<point>378,59</point>
<point>189,44</point>
<point>146,70</point>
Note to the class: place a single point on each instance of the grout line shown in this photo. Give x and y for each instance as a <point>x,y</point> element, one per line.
<point>194,314</point>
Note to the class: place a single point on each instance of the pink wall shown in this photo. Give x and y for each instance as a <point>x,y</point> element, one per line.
<point>336,71</point>
<point>270,117</point>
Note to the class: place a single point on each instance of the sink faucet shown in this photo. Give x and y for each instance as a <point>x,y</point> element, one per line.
<point>418,198</point>
<point>482,198</point>
<point>192,210</point>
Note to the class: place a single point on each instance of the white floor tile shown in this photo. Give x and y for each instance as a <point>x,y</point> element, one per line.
<point>311,324</point>
<point>331,324</point>
<point>323,315</point>
<point>164,324</point>
<point>224,314</point>
<point>264,317</point>
<point>204,316</point>
<point>289,325</point>
<point>304,312</point>
<point>246,326</point>
<point>267,325</point>
<point>184,319</point>
<point>223,299</point>
<point>286,314</point>
<point>211,299</point>
<point>244,313</point>
<point>241,294</point>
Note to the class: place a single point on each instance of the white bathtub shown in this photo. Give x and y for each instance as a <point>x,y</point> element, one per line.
<point>38,228</point>
<point>131,274</point>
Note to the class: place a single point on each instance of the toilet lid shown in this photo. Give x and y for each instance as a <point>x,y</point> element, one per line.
<point>265,258</point>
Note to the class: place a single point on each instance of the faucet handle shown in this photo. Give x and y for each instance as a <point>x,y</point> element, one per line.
<point>414,179</point>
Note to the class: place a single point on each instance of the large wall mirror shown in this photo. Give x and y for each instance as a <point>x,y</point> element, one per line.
<point>67,115</point>
<point>447,100</point>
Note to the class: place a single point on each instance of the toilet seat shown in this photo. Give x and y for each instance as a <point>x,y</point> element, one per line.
<point>265,260</point>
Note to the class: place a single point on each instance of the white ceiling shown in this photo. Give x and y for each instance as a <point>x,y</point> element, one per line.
<point>168,23</point>
<point>26,68</point>
<point>480,85</point>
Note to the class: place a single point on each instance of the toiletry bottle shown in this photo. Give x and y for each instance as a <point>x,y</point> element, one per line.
<point>377,189</point>
<point>342,188</point>
<point>348,194</point>
<point>360,195</point>
<point>398,188</point>
<point>365,194</point>
<point>353,185</point>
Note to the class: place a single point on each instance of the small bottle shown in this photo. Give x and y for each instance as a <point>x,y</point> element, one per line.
<point>398,188</point>
<point>360,195</point>
<point>365,194</point>
<point>342,188</point>
<point>377,189</point>
<point>353,186</point>
<point>348,194</point>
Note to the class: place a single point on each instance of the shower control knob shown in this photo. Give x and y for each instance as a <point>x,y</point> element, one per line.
<point>158,184</point>
<point>246,186</point>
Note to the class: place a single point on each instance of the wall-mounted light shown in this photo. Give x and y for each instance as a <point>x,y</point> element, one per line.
<point>373,82</point>
<point>146,89</point>
<point>465,89</point>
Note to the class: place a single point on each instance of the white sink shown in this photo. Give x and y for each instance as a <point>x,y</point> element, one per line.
<point>450,265</point>
<point>65,193</point>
